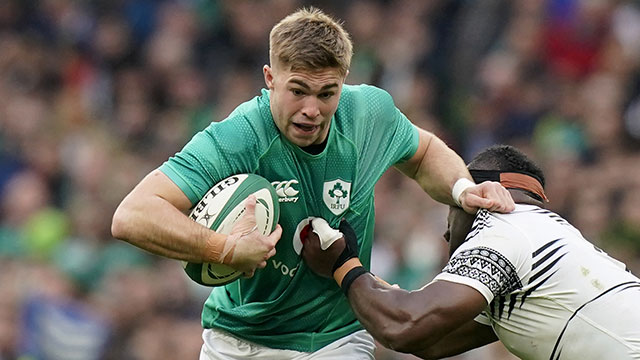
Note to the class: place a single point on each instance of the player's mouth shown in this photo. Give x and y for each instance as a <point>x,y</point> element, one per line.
<point>306,128</point>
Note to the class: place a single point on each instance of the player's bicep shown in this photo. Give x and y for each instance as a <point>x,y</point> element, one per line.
<point>157,184</point>
<point>411,166</point>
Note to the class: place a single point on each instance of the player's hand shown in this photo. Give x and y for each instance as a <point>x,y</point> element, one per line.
<point>325,262</point>
<point>249,249</point>
<point>489,195</point>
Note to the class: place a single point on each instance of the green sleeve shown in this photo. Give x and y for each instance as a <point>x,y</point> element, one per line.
<point>387,137</point>
<point>221,150</point>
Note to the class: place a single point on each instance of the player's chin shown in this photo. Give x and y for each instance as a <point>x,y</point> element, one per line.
<point>302,141</point>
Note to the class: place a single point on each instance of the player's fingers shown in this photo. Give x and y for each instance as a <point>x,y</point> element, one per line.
<point>247,223</point>
<point>275,236</point>
<point>503,201</point>
<point>271,253</point>
<point>262,264</point>
<point>250,205</point>
<point>473,202</point>
<point>248,274</point>
<point>509,204</point>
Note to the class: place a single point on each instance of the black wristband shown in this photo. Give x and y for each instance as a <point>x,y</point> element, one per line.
<point>350,277</point>
<point>350,247</point>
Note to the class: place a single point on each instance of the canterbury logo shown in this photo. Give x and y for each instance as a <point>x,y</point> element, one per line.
<point>285,190</point>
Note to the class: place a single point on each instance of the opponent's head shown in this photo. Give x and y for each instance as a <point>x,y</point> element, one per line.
<point>496,161</point>
<point>504,164</point>
<point>310,54</point>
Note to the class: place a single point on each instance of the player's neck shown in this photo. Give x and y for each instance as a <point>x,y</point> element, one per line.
<point>521,197</point>
<point>315,149</point>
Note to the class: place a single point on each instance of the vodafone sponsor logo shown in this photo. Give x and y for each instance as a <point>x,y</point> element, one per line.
<point>286,190</point>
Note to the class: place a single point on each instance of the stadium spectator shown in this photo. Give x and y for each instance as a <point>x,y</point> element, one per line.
<point>94,95</point>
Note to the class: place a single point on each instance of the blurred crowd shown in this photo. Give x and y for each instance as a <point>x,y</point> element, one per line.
<point>94,94</point>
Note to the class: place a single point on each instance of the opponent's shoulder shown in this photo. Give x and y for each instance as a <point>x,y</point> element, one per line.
<point>496,228</point>
<point>534,219</point>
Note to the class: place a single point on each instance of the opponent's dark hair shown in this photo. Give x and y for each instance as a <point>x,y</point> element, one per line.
<point>506,158</point>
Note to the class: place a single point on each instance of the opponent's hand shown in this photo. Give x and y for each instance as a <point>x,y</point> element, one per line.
<point>325,262</point>
<point>248,248</point>
<point>489,195</point>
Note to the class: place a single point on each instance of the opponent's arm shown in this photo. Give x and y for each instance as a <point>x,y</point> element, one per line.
<point>152,217</point>
<point>414,322</point>
<point>417,322</point>
<point>437,168</point>
<point>468,336</point>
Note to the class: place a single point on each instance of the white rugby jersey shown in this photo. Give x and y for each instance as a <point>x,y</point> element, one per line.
<point>551,294</point>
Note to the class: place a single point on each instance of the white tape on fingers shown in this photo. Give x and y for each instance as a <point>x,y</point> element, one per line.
<point>326,233</point>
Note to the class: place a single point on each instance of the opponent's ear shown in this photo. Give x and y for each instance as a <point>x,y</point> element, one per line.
<point>268,76</point>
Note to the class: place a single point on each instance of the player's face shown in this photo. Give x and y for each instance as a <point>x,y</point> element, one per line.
<point>303,102</point>
<point>459,225</point>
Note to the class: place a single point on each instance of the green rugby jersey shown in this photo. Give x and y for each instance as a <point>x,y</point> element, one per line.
<point>286,305</point>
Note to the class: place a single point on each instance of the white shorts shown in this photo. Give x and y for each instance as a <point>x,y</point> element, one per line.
<point>220,345</point>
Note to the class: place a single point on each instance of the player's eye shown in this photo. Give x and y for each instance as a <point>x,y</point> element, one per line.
<point>325,95</point>
<point>297,92</point>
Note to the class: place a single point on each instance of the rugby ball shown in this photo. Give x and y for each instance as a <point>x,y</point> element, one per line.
<point>220,208</point>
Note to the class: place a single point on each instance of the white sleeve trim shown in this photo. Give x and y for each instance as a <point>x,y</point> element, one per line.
<point>475,284</point>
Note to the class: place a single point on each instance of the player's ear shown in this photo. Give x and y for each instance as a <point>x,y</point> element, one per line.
<point>268,76</point>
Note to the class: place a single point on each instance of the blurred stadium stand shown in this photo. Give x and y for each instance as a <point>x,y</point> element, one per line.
<point>95,93</point>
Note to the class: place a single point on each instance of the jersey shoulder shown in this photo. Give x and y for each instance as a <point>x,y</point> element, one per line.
<point>364,109</point>
<point>531,219</point>
<point>249,126</point>
<point>365,98</point>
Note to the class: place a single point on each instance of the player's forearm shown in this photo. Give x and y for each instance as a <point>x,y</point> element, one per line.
<point>153,224</point>
<point>439,170</point>
<point>436,167</point>
<point>468,336</point>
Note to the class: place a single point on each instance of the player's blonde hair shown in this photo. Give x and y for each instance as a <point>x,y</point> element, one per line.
<point>308,39</point>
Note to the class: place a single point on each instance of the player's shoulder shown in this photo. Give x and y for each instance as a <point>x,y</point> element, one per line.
<point>535,224</point>
<point>497,236</point>
<point>489,224</point>
<point>364,107</point>
<point>532,216</point>
<point>249,123</point>
<point>364,94</point>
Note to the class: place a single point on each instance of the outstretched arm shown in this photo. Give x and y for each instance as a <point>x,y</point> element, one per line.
<point>436,167</point>
<point>153,217</point>
<point>421,322</point>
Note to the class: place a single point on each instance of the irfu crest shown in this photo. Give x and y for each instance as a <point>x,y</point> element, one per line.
<point>336,195</point>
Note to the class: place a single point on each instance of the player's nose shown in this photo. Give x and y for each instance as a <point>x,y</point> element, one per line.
<point>310,108</point>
